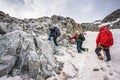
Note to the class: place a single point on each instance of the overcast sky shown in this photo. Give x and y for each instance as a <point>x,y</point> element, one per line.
<point>79,10</point>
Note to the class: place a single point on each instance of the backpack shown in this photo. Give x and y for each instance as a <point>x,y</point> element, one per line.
<point>57,32</point>
<point>106,38</point>
<point>81,38</point>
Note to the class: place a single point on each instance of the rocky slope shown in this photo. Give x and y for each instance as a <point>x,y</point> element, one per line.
<point>23,45</point>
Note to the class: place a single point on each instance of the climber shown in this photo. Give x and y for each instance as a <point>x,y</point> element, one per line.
<point>103,42</point>
<point>79,38</point>
<point>54,33</point>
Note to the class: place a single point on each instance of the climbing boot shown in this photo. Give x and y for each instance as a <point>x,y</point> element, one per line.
<point>108,60</point>
<point>100,57</point>
<point>86,49</point>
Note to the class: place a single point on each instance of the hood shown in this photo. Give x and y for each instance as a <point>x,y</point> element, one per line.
<point>104,28</point>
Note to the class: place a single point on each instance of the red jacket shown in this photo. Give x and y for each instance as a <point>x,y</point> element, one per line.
<point>74,36</point>
<point>101,38</point>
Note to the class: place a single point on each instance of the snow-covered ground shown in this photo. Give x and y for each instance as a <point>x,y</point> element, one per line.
<point>87,66</point>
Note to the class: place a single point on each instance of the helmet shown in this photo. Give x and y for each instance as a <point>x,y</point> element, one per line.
<point>77,32</point>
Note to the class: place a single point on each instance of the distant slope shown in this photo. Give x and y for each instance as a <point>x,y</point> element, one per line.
<point>112,17</point>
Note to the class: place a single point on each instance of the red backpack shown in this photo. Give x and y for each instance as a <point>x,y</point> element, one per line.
<point>106,38</point>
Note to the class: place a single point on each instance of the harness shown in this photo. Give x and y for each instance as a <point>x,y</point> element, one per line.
<point>103,47</point>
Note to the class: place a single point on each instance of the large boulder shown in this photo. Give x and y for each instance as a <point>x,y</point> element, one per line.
<point>23,54</point>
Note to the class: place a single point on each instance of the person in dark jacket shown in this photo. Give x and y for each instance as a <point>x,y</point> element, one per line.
<point>54,33</point>
<point>79,38</point>
<point>103,42</point>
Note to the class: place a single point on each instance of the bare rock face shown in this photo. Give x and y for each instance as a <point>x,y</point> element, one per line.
<point>11,50</point>
<point>19,55</point>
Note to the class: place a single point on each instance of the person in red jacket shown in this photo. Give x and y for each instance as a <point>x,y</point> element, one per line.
<point>79,38</point>
<point>103,42</point>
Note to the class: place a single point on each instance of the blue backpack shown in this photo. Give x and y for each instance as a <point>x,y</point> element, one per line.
<point>57,31</point>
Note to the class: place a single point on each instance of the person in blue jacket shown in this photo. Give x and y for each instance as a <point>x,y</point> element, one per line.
<point>55,33</point>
